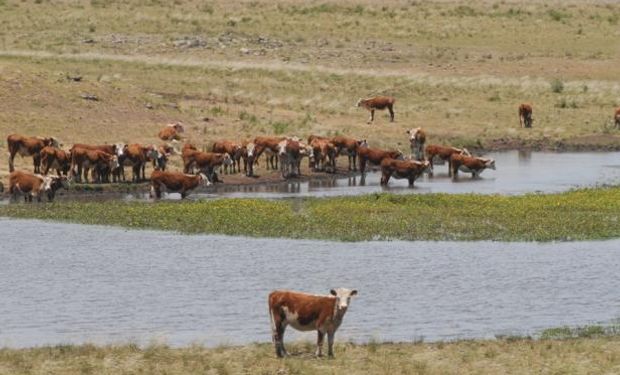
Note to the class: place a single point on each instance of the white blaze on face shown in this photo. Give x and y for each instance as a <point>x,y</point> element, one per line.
<point>282,147</point>
<point>343,297</point>
<point>119,149</point>
<point>250,149</point>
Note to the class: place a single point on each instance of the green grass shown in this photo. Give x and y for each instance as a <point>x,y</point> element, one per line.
<point>591,355</point>
<point>575,215</point>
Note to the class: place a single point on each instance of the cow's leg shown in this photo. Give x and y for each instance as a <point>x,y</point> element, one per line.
<point>391,109</point>
<point>385,178</point>
<point>36,160</point>
<point>330,343</point>
<point>11,159</point>
<point>278,327</point>
<point>372,116</point>
<point>411,180</point>
<point>319,343</point>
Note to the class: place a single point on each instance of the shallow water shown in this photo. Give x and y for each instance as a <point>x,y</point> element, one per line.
<point>67,283</point>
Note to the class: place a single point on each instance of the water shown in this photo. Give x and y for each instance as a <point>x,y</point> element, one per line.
<point>66,283</point>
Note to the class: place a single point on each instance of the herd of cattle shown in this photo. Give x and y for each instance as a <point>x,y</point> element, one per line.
<point>107,163</point>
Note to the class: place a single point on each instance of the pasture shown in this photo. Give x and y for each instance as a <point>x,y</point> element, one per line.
<point>246,69</point>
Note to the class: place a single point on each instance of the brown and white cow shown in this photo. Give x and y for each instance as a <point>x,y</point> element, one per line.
<point>380,103</point>
<point>470,164</point>
<point>308,312</point>
<point>231,148</point>
<point>375,156</point>
<point>187,154</point>
<point>55,158</point>
<point>270,146</point>
<point>35,185</point>
<point>525,115</point>
<point>137,156</point>
<point>28,146</point>
<point>617,118</point>
<point>349,147</point>
<point>208,162</point>
<point>417,139</point>
<point>409,169</point>
<point>290,154</point>
<point>171,132</point>
<point>160,161</point>
<point>101,163</point>
<point>440,154</point>
<point>248,153</point>
<point>176,182</point>
<point>324,154</point>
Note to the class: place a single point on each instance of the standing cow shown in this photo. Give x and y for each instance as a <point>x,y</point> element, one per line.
<point>417,139</point>
<point>440,154</point>
<point>28,146</point>
<point>380,103</point>
<point>308,312</point>
<point>525,115</point>
<point>35,185</point>
<point>470,164</point>
<point>407,169</point>
<point>175,182</point>
<point>349,146</point>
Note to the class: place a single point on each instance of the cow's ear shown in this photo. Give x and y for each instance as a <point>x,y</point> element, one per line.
<point>354,292</point>
<point>333,292</point>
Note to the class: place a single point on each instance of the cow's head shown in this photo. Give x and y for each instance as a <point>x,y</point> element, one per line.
<point>362,143</point>
<point>282,147</point>
<point>415,135</point>
<point>465,152</point>
<point>250,150</point>
<point>51,141</point>
<point>359,103</point>
<point>53,183</point>
<point>203,180</point>
<point>178,127</point>
<point>426,167</point>
<point>343,297</point>
<point>151,152</point>
<point>489,163</point>
<point>227,159</point>
<point>306,150</point>
<point>119,149</point>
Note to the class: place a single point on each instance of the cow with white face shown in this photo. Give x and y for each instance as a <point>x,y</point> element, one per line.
<point>308,312</point>
<point>417,138</point>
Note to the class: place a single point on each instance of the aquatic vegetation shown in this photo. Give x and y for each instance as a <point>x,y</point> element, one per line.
<point>575,215</point>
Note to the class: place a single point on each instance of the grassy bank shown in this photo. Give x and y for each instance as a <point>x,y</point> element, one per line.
<point>592,355</point>
<point>575,215</point>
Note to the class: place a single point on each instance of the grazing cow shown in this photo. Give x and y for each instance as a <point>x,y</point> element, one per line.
<point>324,152</point>
<point>99,161</point>
<point>34,185</point>
<point>187,154</point>
<point>380,103</point>
<point>417,138</point>
<point>55,158</point>
<point>375,156</point>
<point>171,132</point>
<point>470,164</point>
<point>270,146</point>
<point>248,153</point>
<point>525,115</point>
<point>28,146</point>
<point>349,146</point>
<point>176,182</point>
<point>208,162</point>
<point>308,312</point>
<point>231,148</point>
<point>409,169</point>
<point>440,154</point>
<point>617,118</point>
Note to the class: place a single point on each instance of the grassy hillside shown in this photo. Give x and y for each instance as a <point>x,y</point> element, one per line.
<point>240,69</point>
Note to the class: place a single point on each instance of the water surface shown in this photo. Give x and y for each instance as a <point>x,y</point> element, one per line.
<point>68,283</point>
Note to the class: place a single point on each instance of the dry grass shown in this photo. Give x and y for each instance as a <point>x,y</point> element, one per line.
<point>516,356</point>
<point>283,67</point>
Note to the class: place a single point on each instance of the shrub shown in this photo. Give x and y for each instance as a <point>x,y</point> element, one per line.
<point>557,86</point>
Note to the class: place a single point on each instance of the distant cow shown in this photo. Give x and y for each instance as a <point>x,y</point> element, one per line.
<point>375,156</point>
<point>176,182</point>
<point>525,115</point>
<point>409,169</point>
<point>55,158</point>
<point>290,154</point>
<point>35,185</point>
<point>248,153</point>
<point>268,145</point>
<point>324,153</point>
<point>100,162</point>
<point>349,147</point>
<point>171,132</point>
<point>441,154</point>
<point>380,103</point>
<point>208,162</point>
<point>308,312</point>
<point>28,146</point>
<point>617,118</point>
<point>137,156</point>
<point>470,164</point>
<point>417,139</point>
<point>233,149</point>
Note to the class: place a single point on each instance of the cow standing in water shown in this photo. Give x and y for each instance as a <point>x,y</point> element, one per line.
<point>380,103</point>
<point>470,164</point>
<point>308,312</point>
<point>525,115</point>
<point>417,139</point>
